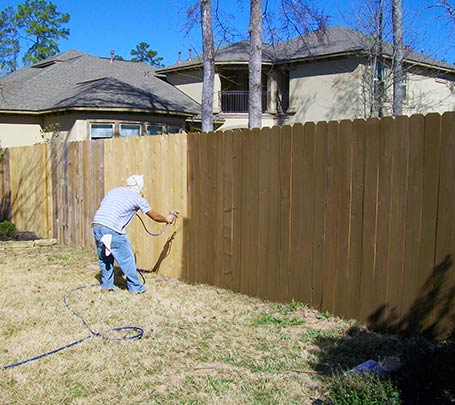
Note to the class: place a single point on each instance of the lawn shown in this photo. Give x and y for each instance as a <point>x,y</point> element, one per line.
<point>201,344</point>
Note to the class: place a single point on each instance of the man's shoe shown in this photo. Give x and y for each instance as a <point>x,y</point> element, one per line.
<point>138,292</point>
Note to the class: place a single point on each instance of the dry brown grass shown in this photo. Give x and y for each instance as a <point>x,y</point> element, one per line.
<point>201,344</point>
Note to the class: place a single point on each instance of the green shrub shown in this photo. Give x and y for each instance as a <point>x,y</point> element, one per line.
<point>360,389</point>
<point>7,229</point>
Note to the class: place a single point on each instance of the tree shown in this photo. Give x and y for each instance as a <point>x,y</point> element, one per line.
<point>296,17</point>
<point>398,56</point>
<point>208,56</point>
<point>373,19</point>
<point>9,42</point>
<point>377,83</point>
<point>42,24</point>
<point>142,53</point>
<point>301,15</point>
<point>255,65</point>
<point>447,7</point>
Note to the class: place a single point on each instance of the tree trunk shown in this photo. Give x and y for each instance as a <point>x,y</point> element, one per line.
<point>208,56</point>
<point>380,90</point>
<point>398,56</point>
<point>255,66</point>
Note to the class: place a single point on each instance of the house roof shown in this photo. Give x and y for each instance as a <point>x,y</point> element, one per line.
<point>74,80</point>
<point>334,41</point>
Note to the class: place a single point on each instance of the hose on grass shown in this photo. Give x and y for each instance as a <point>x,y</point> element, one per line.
<point>136,331</point>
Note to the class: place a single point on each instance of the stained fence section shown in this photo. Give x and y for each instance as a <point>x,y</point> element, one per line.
<point>352,217</point>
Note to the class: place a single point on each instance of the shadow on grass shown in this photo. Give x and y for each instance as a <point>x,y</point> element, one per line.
<point>427,361</point>
<point>119,278</point>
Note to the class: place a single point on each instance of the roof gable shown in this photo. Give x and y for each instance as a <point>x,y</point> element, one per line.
<point>108,92</point>
<point>76,80</point>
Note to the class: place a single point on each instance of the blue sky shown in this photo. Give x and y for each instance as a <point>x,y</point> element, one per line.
<point>97,26</point>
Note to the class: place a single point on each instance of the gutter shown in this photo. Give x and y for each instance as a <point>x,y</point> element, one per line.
<point>309,58</point>
<point>360,52</point>
<point>217,63</point>
<point>96,109</point>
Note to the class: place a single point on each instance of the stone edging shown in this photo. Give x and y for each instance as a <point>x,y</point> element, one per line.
<point>27,243</point>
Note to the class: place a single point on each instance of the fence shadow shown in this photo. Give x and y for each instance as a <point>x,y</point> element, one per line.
<point>165,251</point>
<point>6,207</point>
<point>427,319</point>
<point>424,362</point>
<point>429,312</point>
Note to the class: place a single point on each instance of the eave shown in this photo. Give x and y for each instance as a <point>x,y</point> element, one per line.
<point>96,109</point>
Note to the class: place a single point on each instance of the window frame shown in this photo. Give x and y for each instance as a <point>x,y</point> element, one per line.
<point>149,124</point>
<point>131,125</point>
<point>110,123</point>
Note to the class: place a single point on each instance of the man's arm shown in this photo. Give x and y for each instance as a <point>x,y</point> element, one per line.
<point>157,217</point>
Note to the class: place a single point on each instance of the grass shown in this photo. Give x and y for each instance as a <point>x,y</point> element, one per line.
<point>201,344</point>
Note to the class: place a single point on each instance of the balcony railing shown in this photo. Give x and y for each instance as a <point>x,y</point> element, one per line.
<point>236,101</point>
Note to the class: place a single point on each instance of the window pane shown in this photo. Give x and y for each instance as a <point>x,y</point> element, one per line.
<point>98,131</point>
<point>173,129</point>
<point>154,129</point>
<point>130,129</point>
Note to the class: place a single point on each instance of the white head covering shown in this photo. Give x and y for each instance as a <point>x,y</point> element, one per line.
<point>136,182</point>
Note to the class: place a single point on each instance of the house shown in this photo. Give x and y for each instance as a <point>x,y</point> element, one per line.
<point>324,75</point>
<point>328,75</point>
<point>76,96</point>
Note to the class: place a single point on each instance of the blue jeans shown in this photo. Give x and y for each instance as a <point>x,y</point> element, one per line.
<point>120,251</point>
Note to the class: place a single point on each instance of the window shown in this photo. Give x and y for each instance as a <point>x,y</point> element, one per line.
<point>130,129</point>
<point>101,131</point>
<point>172,129</point>
<point>154,129</point>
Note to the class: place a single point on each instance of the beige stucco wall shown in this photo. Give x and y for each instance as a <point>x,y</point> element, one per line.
<point>190,83</point>
<point>327,90</point>
<point>17,130</point>
<point>76,126</point>
<point>234,121</point>
<point>21,130</point>
<point>428,94</point>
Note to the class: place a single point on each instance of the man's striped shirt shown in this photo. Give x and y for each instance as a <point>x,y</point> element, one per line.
<point>118,208</point>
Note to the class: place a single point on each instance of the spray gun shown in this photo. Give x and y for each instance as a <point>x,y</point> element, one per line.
<point>174,215</point>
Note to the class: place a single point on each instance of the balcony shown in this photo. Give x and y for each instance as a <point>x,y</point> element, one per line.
<point>236,101</point>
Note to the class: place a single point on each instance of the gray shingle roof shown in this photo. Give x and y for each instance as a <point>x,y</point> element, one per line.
<point>339,40</point>
<point>334,41</point>
<point>74,79</point>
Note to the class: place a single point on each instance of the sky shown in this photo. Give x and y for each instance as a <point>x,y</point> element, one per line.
<point>99,26</point>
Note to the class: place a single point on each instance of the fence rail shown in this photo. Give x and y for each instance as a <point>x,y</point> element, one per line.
<point>353,217</point>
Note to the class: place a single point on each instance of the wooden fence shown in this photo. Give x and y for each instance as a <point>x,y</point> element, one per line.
<point>353,217</point>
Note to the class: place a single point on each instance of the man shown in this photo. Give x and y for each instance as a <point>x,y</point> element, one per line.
<point>116,211</point>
